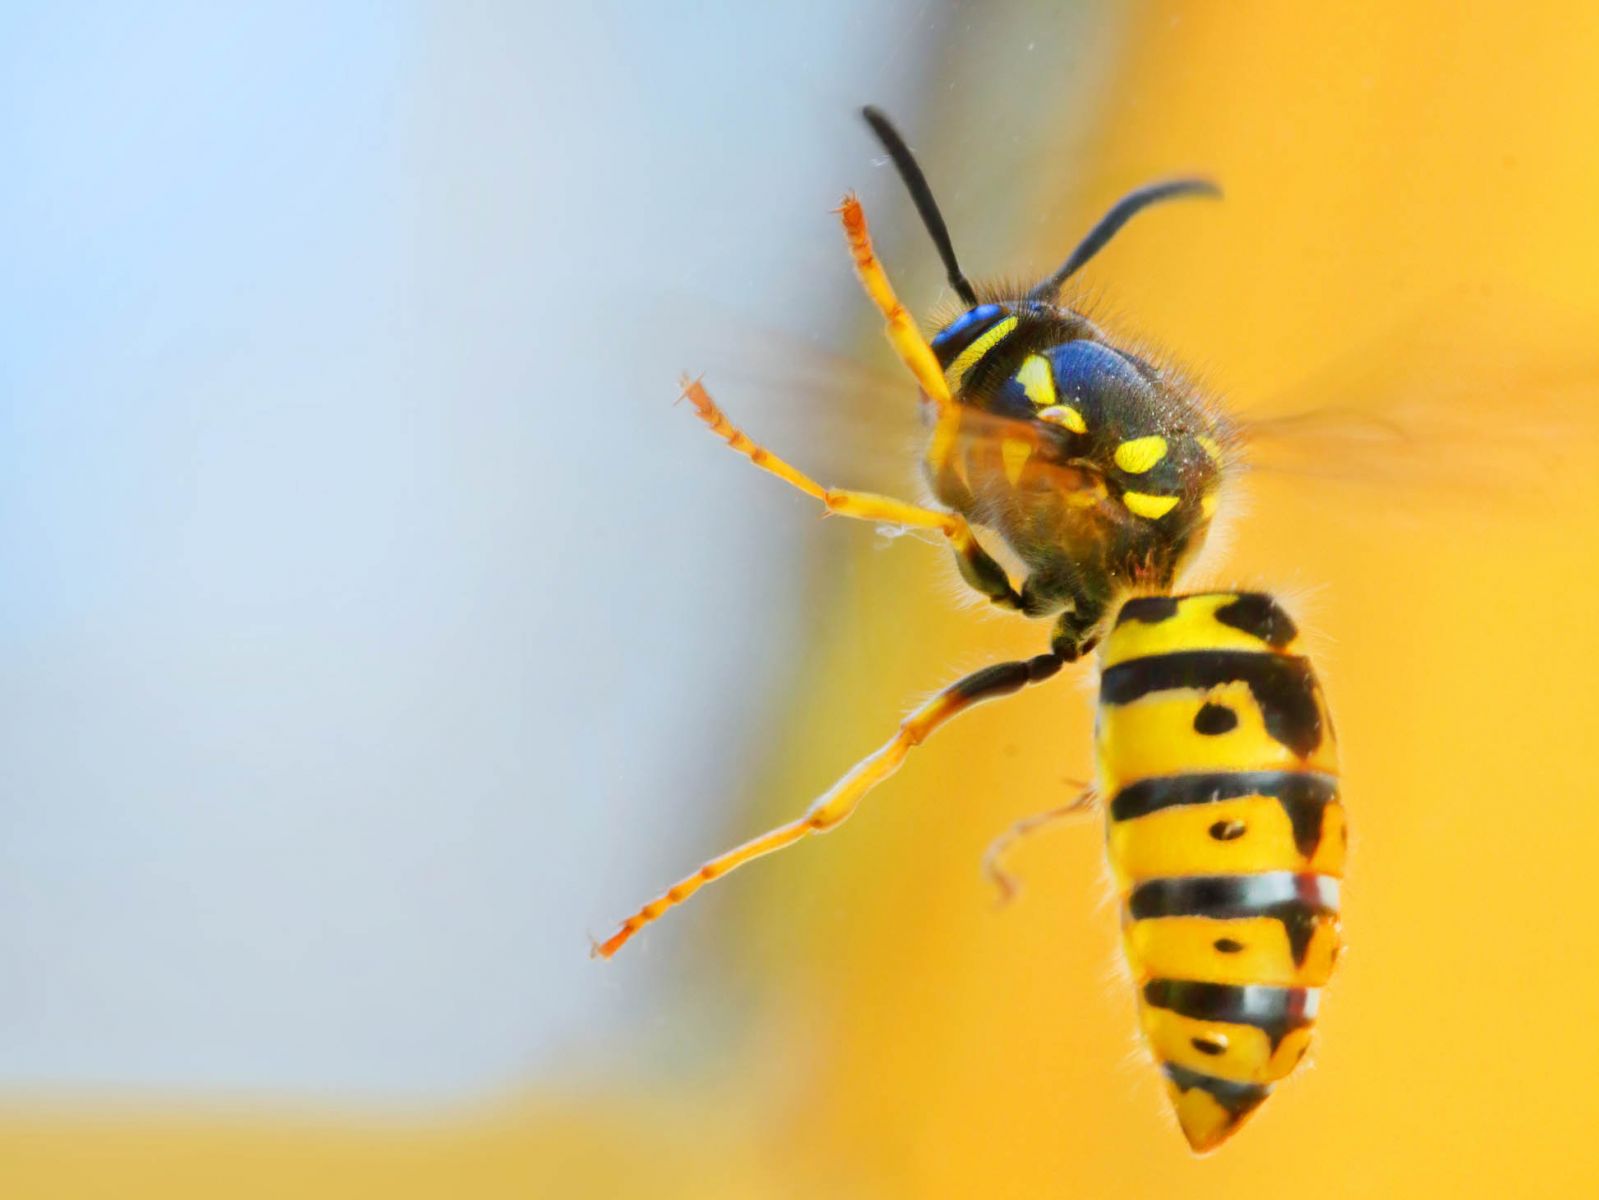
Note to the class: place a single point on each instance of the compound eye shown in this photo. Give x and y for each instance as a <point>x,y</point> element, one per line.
<point>965,329</point>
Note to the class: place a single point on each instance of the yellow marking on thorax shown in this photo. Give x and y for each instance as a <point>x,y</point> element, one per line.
<point>1193,627</point>
<point>955,373</point>
<point>1151,507</point>
<point>1209,446</point>
<point>1065,416</point>
<point>1038,381</point>
<point>1207,505</point>
<point>1014,453</point>
<point>1138,455</point>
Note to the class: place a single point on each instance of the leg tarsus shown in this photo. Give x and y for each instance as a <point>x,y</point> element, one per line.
<point>993,867</point>
<point>903,335</point>
<point>834,806</point>
<point>979,568</point>
<point>716,420</point>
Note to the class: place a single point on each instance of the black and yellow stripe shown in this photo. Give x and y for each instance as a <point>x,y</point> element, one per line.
<point>1218,764</point>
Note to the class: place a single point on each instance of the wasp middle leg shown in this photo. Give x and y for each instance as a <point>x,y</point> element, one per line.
<point>835,805</point>
<point>979,568</point>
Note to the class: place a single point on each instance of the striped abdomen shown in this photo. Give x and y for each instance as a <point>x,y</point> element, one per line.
<point>1218,769</point>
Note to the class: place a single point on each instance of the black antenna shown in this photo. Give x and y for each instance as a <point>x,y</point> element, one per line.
<point>922,195</point>
<point>1124,210</point>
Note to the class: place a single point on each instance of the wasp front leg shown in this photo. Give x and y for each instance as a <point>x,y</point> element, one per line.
<point>842,799</point>
<point>900,329</point>
<point>977,566</point>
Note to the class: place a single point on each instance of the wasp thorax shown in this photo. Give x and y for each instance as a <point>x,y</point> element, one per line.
<point>1097,467</point>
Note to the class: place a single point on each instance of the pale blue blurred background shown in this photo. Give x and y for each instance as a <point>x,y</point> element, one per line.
<point>374,629</point>
<point>330,395</point>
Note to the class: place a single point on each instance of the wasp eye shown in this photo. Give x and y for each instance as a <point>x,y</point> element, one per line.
<point>963,331</point>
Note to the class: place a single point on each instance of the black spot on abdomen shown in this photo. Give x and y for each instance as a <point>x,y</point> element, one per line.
<point>1296,901</point>
<point>1213,719</point>
<point>1227,831</point>
<point>1275,1011</point>
<point>1283,687</point>
<point>1303,795</point>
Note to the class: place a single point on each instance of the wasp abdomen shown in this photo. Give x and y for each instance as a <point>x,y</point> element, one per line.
<point>1227,838</point>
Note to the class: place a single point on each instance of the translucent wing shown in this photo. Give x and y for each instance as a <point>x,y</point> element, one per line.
<point>842,405</point>
<point>1427,415</point>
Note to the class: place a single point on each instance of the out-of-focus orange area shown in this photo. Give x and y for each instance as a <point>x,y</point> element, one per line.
<point>1400,179</point>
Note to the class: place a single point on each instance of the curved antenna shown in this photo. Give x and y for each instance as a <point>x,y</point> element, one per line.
<point>922,195</point>
<point>1124,210</point>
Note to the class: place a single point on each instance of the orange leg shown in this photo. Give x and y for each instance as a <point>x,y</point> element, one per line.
<point>906,339</point>
<point>979,568</point>
<point>843,797</point>
<point>993,857</point>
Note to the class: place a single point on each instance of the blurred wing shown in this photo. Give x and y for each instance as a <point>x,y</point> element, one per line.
<point>1428,415</point>
<point>843,406</point>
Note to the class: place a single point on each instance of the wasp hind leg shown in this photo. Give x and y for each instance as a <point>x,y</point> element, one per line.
<point>1004,882</point>
<point>979,568</point>
<point>835,805</point>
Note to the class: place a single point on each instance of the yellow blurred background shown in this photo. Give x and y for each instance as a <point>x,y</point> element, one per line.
<point>1410,204</point>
